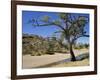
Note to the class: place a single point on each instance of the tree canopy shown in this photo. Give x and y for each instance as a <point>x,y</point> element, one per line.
<point>70,26</point>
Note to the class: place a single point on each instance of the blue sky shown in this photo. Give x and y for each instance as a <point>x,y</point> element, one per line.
<point>46,31</point>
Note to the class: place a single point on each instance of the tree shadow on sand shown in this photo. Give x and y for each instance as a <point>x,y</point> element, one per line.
<point>78,58</point>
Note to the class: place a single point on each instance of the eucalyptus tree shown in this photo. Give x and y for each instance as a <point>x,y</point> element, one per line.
<point>69,25</point>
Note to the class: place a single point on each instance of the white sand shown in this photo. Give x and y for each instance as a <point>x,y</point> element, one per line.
<point>36,61</point>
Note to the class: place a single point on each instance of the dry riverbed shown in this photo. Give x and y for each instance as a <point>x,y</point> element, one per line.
<point>29,61</point>
<point>84,62</point>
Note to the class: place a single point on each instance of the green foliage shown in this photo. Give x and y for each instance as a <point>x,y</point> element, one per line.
<point>57,22</point>
<point>63,16</point>
<point>86,45</point>
<point>81,46</point>
<point>37,46</point>
<point>45,18</point>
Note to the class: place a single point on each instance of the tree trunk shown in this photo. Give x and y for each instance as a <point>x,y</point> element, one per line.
<point>72,53</point>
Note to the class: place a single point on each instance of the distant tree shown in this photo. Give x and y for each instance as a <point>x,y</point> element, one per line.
<point>70,26</point>
<point>86,45</point>
<point>81,46</point>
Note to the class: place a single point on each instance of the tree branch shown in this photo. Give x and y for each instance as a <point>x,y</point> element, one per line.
<point>38,25</point>
<point>86,36</point>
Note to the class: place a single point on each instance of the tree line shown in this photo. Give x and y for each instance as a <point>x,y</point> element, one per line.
<point>36,45</point>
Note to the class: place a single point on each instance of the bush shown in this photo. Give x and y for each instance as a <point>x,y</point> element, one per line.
<point>37,46</point>
<point>50,53</point>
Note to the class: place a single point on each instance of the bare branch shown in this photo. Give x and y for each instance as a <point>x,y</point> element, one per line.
<point>86,36</point>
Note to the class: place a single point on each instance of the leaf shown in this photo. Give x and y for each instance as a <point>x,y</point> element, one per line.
<point>57,22</point>
<point>45,18</point>
<point>63,16</point>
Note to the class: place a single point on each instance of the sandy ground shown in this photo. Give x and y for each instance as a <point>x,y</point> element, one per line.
<point>84,62</point>
<point>36,61</point>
